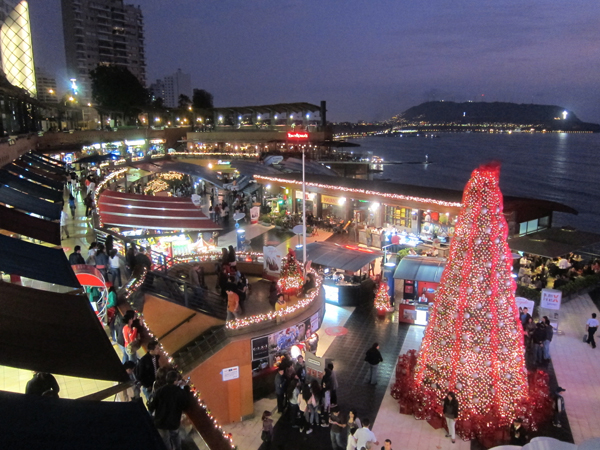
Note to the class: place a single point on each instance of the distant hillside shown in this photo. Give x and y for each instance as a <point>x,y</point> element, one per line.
<point>550,117</point>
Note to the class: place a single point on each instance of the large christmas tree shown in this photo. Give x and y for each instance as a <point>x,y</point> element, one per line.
<point>473,344</point>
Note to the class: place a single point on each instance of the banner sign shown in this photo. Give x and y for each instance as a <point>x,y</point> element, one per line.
<point>551,299</point>
<point>272,257</point>
<point>329,200</point>
<point>254,213</point>
<point>297,136</point>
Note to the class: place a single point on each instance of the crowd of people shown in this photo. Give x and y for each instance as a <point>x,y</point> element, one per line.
<point>537,272</point>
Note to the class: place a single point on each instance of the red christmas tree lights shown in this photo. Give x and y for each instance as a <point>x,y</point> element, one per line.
<point>291,278</point>
<point>473,344</point>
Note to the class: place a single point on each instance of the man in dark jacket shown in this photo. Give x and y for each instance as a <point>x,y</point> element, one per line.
<point>539,336</point>
<point>373,358</point>
<point>280,389</point>
<point>42,384</point>
<point>75,257</point>
<point>146,368</point>
<point>168,404</point>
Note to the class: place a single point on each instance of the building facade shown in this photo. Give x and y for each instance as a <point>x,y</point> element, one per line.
<point>100,32</point>
<point>46,86</point>
<point>16,46</point>
<point>171,87</point>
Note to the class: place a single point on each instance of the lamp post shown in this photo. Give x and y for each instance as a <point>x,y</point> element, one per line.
<point>303,215</point>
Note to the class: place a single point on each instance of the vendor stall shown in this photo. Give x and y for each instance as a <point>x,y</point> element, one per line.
<point>416,282</point>
<point>345,269</point>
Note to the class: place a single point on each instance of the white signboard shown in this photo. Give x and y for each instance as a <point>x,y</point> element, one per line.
<point>522,302</point>
<point>231,373</point>
<point>254,213</point>
<point>551,299</point>
<point>273,257</point>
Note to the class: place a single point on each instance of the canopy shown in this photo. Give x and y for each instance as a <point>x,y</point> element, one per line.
<point>33,422</point>
<point>21,223</point>
<point>150,212</point>
<point>51,182</point>
<point>554,242</point>
<point>29,203</point>
<point>36,261</point>
<point>420,268</point>
<point>24,185</point>
<point>57,333</point>
<point>343,257</point>
<point>94,159</point>
<point>46,159</point>
<point>35,169</point>
<point>38,162</point>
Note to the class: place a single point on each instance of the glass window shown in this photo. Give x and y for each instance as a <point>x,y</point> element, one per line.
<point>532,226</point>
<point>544,222</point>
<point>523,228</point>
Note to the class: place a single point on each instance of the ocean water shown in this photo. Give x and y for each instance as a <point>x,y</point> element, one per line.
<point>564,168</point>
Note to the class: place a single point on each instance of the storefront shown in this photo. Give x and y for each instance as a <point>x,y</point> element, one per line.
<point>345,270</point>
<point>436,224</point>
<point>333,206</point>
<point>310,203</point>
<point>416,281</point>
<point>400,217</point>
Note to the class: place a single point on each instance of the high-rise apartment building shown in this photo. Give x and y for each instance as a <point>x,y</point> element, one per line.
<point>102,32</point>
<point>16,46</point>
<point>46,86</point>
<point>171,87</point>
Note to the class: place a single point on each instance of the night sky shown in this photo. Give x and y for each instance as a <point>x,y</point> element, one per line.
<point>368,59</point>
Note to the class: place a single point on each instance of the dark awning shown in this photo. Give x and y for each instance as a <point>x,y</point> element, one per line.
<point>41,172</point>
<point>554,242</point>
<point>343,257</point>
<point>47,181</point>
<point>152,212</point>
<point>29,204</point>
<point>57,333</point>
<point>420,268</point>
<point>36,261</point>
<point>47,159</point>
<point>42,164</point>
<point>33,422</point>
<point>21,223</point>
<point>95,159</point>
<point>24,185</point>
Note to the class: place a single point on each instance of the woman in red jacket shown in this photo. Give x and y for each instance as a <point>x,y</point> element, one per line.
<point>130,335</point>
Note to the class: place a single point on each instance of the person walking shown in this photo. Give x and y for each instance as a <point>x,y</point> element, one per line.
<point>592,326</point>
<point>295,402</point>
<point>42,384</point>
<point>373,357</point>
<point>72,205</point>
<point>130,336</point>
<point>233,304</point>
<point>559,406</point>
<point>539,336</point>
<point>450,408</point>
<point>63,224</point>
<point>88,201</point>
<point>518,433</point>
<point>102,261</point>
<point>168,404</point>
<point>147,367</point>
<point>338,425</point>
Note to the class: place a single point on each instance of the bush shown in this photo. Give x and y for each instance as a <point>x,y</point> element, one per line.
<point>279,222</point>
<point>402,253</point>
<point>579,284</point>
<point>528,293</point>
<point>265,219</point>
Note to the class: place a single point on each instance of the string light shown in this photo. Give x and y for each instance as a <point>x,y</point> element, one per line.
<point>131,287</point>
<point>473,344</point>
<point>360,191</point>
<point>101,186</point>
<point>382,299</point>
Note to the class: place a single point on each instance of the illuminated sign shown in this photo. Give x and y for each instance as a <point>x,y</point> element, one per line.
<point>329,200</point>
<point>296,135</point>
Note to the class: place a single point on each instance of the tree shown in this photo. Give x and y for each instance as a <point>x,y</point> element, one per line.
<point>382,298</point>
<point>184,101</point>
<point>473,344</point>
<point>202,99</point>
<point>115,88</point>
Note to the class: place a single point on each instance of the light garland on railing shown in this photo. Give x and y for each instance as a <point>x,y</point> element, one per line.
<point>253,155</point>
<point>130,289</point>
<point>259,318</point>
<point>101,186</point>
<point>361,191</point>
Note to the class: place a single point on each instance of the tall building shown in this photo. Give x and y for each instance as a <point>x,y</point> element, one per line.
<point>46,86</point>
<point>102,32</point>
<point>171,87</point>
<point>16,46</point>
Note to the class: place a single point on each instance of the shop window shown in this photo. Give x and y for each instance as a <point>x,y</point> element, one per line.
<point>398,216</point>
<point>544,222</point>
<point>522,228</point>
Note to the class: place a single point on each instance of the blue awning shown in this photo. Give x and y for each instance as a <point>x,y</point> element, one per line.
<point>420,268</point>
<point>24,185</point>
<point>29,204</point>
<point>36,261</point>
<point>18,222</point>
<point>58,185</point>
<point>38,162</point>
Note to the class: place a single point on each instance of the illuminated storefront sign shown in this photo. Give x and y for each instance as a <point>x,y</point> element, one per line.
<point>296,135</point>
